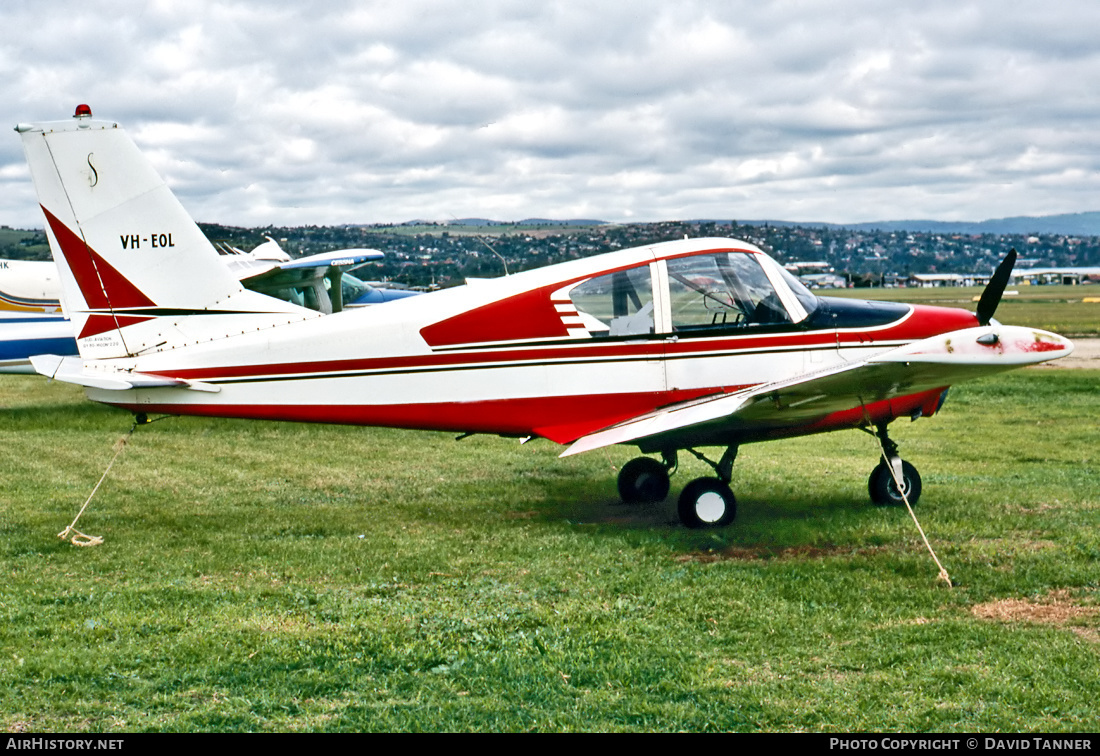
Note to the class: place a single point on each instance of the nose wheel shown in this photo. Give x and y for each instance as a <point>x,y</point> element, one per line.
<point>893,478</point>
<point>884,489</point>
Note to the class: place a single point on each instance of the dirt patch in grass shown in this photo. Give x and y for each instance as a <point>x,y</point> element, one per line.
<point>1056,608</point>
<point>753,553</point>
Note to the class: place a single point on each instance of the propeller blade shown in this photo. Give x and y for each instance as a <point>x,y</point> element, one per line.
<point>991,297</point>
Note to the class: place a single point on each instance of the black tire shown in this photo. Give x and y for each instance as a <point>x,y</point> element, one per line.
<point>883,490</point>
<point>707,503</point>
<point>643,480</point>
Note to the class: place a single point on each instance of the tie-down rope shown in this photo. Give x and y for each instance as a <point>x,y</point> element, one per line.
<point>81,539</point>
<point>901,490</point>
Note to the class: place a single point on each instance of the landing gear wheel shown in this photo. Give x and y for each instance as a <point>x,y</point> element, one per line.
<point>707,503</point>
<point>643,480</point>
<point>884,491</point>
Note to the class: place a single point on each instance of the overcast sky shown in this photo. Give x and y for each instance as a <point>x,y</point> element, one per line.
<point>296,113</point>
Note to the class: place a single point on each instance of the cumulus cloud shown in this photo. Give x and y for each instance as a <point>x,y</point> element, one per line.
<point>347,112</point>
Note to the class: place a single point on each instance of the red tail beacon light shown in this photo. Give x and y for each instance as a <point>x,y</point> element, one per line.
<point>82,115</point>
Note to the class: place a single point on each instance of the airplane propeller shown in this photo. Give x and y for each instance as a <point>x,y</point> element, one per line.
<point>991,297</point>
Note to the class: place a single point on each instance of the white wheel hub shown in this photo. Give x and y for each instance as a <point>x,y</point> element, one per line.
<point>710,507</point>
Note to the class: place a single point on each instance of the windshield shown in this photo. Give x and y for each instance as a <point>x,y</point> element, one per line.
<point>723,289</point>
<point>351,288</point>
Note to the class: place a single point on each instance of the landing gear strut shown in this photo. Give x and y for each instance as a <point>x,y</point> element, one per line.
<point>883,483</point>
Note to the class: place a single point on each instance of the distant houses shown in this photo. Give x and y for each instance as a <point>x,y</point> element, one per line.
<point>817,275</point>
<point>1065,276</point>
<point>932,280</point>
<point>820,275</point>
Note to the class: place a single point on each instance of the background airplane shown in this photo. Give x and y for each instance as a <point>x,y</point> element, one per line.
<point>31,321</point>
<point>320,282</point>
<point>669,347</point>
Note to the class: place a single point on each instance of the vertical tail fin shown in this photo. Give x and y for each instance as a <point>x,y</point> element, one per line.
<point>137,273</point>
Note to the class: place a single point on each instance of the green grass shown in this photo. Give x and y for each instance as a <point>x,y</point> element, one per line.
<point>278,577</point>
<point>1057,308</point>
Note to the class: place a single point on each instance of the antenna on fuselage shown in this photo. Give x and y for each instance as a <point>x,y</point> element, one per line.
<point>499,256</point>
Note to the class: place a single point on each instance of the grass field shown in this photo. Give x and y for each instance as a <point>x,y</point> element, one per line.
<point>279,577</point>
<point>1061,309</point>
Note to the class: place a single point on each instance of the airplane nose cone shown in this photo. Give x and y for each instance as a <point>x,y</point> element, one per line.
<point>1017,345</point>
<point>1042,345</point>
<point>999,347</point>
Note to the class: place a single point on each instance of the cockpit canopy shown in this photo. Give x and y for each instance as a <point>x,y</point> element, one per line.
<point>723,290</point>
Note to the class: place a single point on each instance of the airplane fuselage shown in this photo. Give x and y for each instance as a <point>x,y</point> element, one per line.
<point>496,357</point>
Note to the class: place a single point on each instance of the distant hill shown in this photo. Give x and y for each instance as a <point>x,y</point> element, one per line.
<point>524,222</point>
<point>1069,224</point>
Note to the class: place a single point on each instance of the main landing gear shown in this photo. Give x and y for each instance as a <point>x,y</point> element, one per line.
<point>704,502</point>
<point>883,483</point>
<point>709,502</point>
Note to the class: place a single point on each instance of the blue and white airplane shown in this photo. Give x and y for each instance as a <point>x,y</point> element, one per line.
<point>31,321</point>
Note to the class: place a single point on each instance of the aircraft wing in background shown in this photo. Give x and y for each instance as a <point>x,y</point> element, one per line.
<point>313,282</point>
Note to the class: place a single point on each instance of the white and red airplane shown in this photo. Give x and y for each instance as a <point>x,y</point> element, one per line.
<point>668,347</point>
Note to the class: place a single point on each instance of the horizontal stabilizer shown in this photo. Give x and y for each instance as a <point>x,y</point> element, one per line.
<point>72,370</point>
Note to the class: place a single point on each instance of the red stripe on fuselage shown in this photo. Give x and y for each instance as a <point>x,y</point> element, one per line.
<point>558,418</point>
<point>96,323</point>
<point>562,419</point>
<point>921,323</point>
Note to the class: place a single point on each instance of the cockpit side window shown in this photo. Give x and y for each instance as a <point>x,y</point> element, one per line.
<point>722,290</point>
<point>618,304</point>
